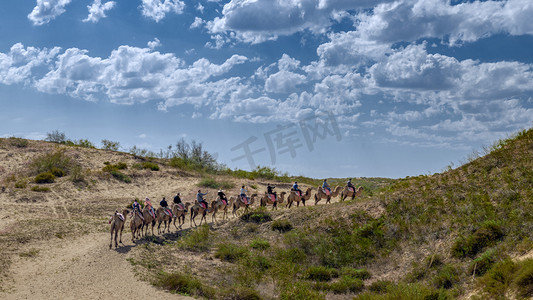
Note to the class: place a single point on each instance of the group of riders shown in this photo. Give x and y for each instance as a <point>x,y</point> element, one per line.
<point>136,206</point>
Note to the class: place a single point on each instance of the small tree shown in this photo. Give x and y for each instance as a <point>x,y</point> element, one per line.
<point>56,137</point>
<point>110,145</point>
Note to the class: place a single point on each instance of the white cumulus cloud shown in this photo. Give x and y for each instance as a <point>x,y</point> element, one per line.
<point>158,9</point>
<point>97,10</point>
<point>47,10</point>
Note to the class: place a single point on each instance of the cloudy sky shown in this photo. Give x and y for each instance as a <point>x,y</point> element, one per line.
<point>322,88</point>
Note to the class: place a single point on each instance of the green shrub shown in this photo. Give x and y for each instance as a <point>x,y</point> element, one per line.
<point>293,255</point>
<point>281,225</point>
<point>446,277</point>
<point>212,183</point>
<point>231,252</point>
<point>257,216</point>
<point>498,279</point>
<point>77,175</point>
<point>524,279</point>
<point>242,293</point>
<point>198,240</point>
<point>483,263</point>
<point>487,235</point>
<point>45,177</point>
<point>56,162</point>
<point>21,184</point>
<point>260,244</point>
<point>110,145</point>
<point>184,284</point>
<point>362,274</point>
<point>58,172</point>
<point>380,286</point>
<point>300,291</point>
<point>121,176</point>
<point>150,166</point>
<point>18,142</point>
<point>85,143</point>
<point>40,189</point>
<point>320,273</point>
<point>346,284</point>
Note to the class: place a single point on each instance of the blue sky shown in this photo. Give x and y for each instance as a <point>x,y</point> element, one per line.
<point>322,88</point>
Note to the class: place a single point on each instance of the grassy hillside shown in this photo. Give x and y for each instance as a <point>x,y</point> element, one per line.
<point>465,233</point>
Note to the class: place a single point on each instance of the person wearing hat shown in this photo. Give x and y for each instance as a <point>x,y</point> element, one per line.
<point>222,196</point>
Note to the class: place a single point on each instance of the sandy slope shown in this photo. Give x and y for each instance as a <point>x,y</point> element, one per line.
<point>67,228</point>
<point>83,268</point>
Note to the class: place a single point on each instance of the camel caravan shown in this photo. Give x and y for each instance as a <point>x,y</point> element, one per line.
<point>145,217</point>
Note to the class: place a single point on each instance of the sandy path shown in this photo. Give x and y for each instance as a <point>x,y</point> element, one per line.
<point>83,268</point>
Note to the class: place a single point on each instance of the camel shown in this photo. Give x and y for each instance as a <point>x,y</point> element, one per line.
<point>217,205</point>
<point>197,209</point>
<point>237,203</point>
<point>162,217</point>
<point>266,200</point>
<point>320,194</point>
<point>348,192</point>
<point>293,197</point>
<point>148,219</point>
<point>136,225</point>
<point>180,214</point>
<point>117,224</point>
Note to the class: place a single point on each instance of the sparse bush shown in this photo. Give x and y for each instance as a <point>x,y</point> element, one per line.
<point>85,143</point>
<point>320,273</point>
<point>346,284</point>
<point>487,235</point>
<point>380,286</point>
<point>18,142</point>
<point>184,284</point>
<point>257,216</point>
<point>56,137</point>
<point>77,175</point>
<point>362,274</point>
<point>260,244</point>
<point>40,189</point>
<point>21,184</point>
<point>150,166</point>
<point>231,252</point>
<point>212,183</point>
<point>300,291</point>
<point>524,279</point>
<point>446,277</point>
<point>242,293</point>
<point>54,162</point>
<point>121,176</point>
<point>483,263</point>
<point>45,177</point>
<point>281,225</point>
<point>110,145</point>
<point>197,240</point>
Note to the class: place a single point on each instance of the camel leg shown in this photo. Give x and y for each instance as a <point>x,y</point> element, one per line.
<point>111,242</point>
<point>121,229</point>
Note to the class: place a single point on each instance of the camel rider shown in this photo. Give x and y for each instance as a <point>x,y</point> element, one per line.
<point>325,186</point>
<point>164,205</point>
<point>150,207</point>
<point>222,196</point>
<point>244,199</point>
<point>136,208</point>
<point>177,201</point>
<point>296,188</point>
<point>271,192</point>
<point>200,199</point>
<point>350,185</point>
